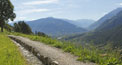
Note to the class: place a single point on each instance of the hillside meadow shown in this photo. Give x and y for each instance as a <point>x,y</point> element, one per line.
<point>9,52</point>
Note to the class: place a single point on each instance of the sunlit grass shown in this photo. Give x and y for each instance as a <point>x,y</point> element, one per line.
<point>9,53</point>
<point>87,54</point>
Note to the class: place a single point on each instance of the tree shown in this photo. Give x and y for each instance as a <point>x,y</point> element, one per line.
<point>6,12</point>
<point>17,28</point>
<point>22,27</point>
<point>8,27</point>
<point>41,34</point>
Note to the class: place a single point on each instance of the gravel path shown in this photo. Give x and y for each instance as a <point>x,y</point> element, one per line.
<point>55,54</point>
<point>31,59</point>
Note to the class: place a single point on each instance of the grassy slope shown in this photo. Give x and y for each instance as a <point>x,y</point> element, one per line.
<point>9,53</point>
<point>92,54</point>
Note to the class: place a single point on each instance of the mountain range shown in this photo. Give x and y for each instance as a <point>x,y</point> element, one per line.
<point>83,23</point>
<point>58,27</point>
<point>105,18</point>
<point>108,32</point>
<point>55,27</point>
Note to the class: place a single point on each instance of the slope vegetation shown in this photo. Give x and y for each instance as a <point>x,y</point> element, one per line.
<point>108,32</point>
<point>9,53</point>
<point>104,18</point>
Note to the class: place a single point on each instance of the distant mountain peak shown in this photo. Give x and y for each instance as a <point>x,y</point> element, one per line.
<point>83,23</point>
<point>106,17</point>
<point>55,27</point>
<point>119,8</point>
<point>109,32</point>
<point>50,18</point>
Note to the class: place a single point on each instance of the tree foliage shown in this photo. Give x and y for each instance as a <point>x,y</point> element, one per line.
<point>6,12</point>
<point>22,27</point>
<point>8,27</point>
<point>41,34</point>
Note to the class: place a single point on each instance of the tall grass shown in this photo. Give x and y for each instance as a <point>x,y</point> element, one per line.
<point>9,53</point>
<point>87,54</point>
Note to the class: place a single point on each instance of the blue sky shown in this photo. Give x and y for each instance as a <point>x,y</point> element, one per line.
<point>67,9</point>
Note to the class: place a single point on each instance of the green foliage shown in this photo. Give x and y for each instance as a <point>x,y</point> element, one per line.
<point>41,34</point>
<point>8,27</point>
<point>6,12</point>
<point>9,53</point>
<point>58,44</point>
<point>86,54</point>
<point>69,48</point>
<point>22,27</point>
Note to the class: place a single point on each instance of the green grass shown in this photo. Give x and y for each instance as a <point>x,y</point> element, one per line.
<point>87,54</point>
<point>9,53</point>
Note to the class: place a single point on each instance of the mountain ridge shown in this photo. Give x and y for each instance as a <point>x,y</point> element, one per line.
<point>53,26</point>
<point>105,17</point>
<point>108,32</point>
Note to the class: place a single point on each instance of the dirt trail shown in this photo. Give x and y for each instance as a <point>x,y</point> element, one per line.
<point>53,53</point>
<point>30,58</point>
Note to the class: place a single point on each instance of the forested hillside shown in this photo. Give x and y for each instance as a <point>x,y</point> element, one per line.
<point>105,18</point>
<point>107,33</point>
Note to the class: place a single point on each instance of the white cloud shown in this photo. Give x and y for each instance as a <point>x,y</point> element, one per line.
<point>20,18</point>
<point>40,2</point>
<point>120,4</point>
<point>29,11</point>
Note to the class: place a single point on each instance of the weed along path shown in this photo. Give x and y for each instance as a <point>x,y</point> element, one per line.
<point>47,54</point>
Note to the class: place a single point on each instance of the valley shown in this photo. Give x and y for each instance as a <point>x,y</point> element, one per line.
<point>55,27</point>
<point>60,32</point>
<point>109,32</point>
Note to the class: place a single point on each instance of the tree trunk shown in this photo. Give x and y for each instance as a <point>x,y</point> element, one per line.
<point>1,28</point>
<point>2,23</point>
